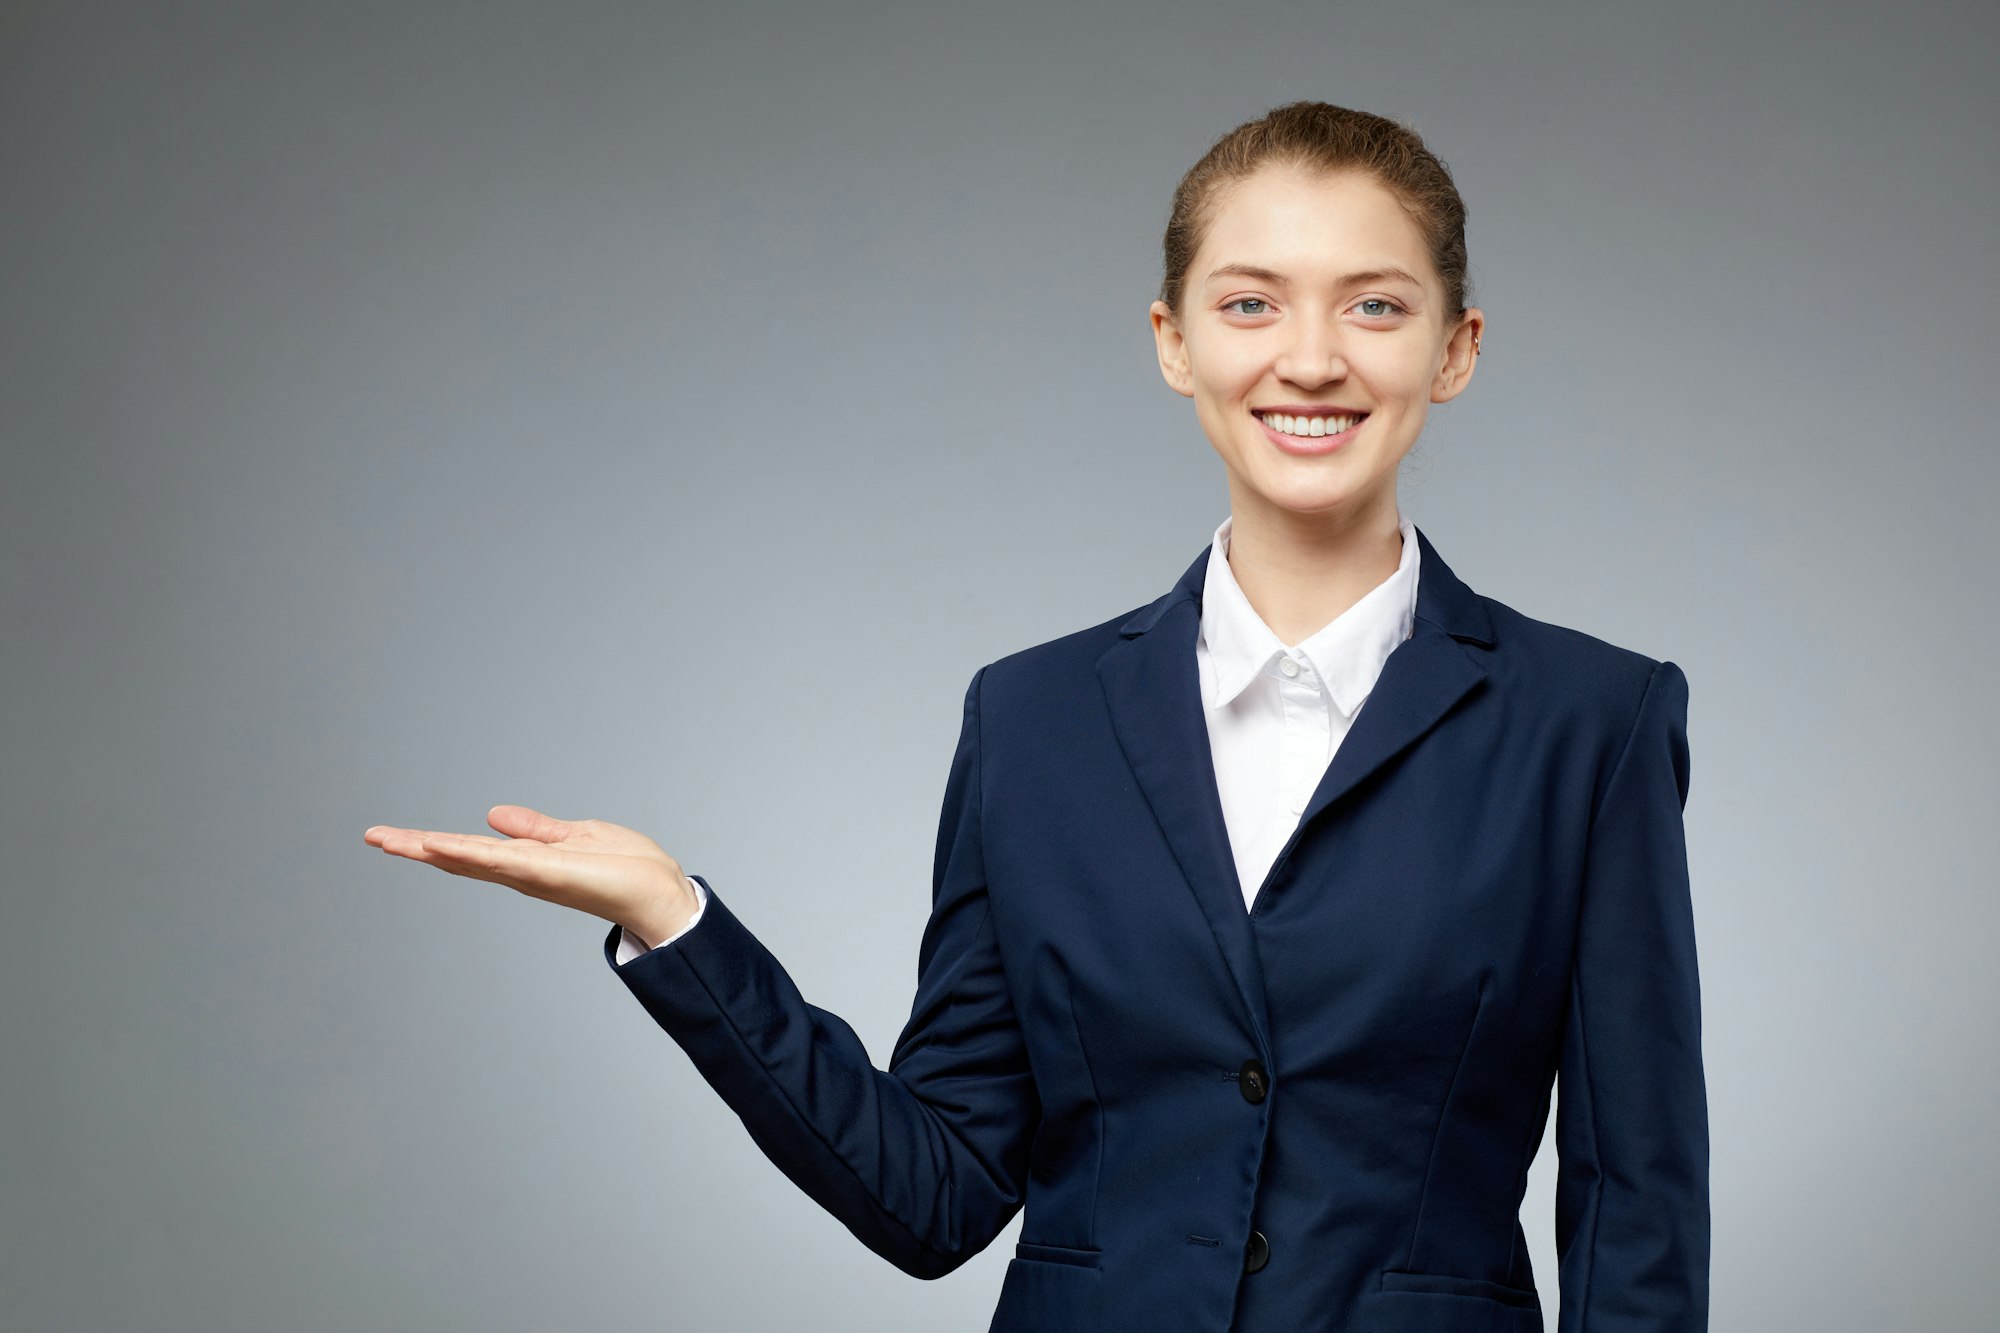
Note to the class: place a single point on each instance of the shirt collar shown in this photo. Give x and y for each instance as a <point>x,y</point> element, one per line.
<point>1348,653</point>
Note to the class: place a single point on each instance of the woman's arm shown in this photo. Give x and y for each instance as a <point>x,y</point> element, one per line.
<point>925,1162</point>
<point>1632,1212</point>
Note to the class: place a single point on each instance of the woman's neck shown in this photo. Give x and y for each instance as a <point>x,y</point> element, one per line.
<point>1299,572</point>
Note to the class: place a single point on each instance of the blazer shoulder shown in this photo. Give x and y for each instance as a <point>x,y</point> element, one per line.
<point>1053,661</point>
<point>1563,663</point>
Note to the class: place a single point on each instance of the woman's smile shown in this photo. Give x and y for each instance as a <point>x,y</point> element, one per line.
<point>1310,431</point>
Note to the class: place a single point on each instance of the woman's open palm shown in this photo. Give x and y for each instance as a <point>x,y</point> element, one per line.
<point>610,871</point>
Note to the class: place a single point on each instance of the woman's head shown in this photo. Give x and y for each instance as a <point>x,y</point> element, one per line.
<point>1315,268</point>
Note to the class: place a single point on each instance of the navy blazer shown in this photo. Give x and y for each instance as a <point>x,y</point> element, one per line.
<point>1316,1114</point>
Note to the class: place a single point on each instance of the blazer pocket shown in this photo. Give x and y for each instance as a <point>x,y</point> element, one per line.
<point>1445,1284</point>
<point>1056,1254</point>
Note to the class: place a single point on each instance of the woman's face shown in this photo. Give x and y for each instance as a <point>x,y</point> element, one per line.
<point>1313,296</point>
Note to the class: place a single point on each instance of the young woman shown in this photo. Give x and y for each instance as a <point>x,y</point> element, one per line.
<point>1265,916</point>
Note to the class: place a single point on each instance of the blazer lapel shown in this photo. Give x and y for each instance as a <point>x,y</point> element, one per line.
<point>1426,674</point>
<point>1152,686</point>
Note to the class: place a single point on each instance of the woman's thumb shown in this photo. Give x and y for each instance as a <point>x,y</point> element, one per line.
<point>518,821</point>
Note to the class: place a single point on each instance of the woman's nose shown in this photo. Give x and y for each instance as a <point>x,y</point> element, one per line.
<point>1314,356</point>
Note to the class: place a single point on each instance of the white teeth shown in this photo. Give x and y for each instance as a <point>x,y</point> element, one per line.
<point>1308,427</point>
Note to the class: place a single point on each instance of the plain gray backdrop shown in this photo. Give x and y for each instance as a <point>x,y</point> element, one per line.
<point>657,413</point>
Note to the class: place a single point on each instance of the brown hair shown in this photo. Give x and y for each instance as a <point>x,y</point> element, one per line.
<point>1323,137</point>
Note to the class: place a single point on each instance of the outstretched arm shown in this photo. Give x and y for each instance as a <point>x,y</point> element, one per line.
<point>926,1161</point>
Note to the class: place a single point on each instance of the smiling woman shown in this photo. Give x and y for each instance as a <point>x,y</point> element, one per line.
<point>1266,917</point>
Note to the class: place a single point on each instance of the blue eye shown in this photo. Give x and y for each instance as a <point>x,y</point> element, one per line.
<point>1246,300</point>
<point>1377,300</point>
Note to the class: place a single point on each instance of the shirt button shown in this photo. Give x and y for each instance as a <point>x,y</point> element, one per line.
<point>1253,1082</point>
<point>1257,1253</point>
<point>1288,666</point>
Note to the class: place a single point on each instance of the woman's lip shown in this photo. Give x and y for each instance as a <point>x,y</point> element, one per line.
<point>1299,444</point>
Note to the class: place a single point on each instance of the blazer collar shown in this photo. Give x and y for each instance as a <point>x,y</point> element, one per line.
<point>1152,689</point>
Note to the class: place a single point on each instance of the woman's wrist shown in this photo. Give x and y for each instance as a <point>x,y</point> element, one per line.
<point>667,917</point>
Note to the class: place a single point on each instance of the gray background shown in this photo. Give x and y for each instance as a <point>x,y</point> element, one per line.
<point>659,413</point>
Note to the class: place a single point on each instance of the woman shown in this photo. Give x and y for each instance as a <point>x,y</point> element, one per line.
<point>1253,996</point>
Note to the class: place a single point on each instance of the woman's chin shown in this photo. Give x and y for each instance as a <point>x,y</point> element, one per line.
<point>1319,496</point>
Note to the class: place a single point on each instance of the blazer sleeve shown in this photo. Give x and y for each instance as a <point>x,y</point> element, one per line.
<point>1632,1208</point>
<point>925,1162</point>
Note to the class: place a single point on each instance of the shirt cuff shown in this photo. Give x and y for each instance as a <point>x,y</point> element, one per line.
<point>630,946</point>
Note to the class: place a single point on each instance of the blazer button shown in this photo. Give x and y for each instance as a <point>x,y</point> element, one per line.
<point>1257,1253</point>
<point>1253,1082</point>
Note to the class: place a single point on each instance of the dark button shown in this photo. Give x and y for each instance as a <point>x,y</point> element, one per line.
<point>1253,1081</point>
<point>1257,1253</point>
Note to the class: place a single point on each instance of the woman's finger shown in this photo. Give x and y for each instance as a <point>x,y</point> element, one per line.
<point>409,841</point>
<point>522,863</point>
<point>477,850</point>
<point>376,833</point>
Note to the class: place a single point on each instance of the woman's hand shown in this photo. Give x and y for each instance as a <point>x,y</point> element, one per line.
<point>607,870</point>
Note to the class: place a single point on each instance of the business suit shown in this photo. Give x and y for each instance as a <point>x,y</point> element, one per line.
<point>1318,1114</point>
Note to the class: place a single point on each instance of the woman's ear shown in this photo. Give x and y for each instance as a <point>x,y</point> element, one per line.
<point>1461,356</point>
<point>1172,348</point>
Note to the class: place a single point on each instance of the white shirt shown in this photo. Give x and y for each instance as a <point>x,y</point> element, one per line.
<point>1276,712</point>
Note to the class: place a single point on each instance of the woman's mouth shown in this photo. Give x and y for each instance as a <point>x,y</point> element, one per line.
<point>1318,433</point>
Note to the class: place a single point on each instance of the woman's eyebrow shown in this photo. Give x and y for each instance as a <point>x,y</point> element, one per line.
<point>1387,273</point>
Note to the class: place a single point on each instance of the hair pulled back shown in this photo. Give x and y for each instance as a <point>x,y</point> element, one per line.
<point>1322,137</point>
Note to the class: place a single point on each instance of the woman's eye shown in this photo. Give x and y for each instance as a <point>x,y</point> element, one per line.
<point>1387,305</point>
<point>1246,300</point>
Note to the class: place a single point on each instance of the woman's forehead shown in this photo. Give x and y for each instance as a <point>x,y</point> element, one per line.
<point>1280,226</point>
